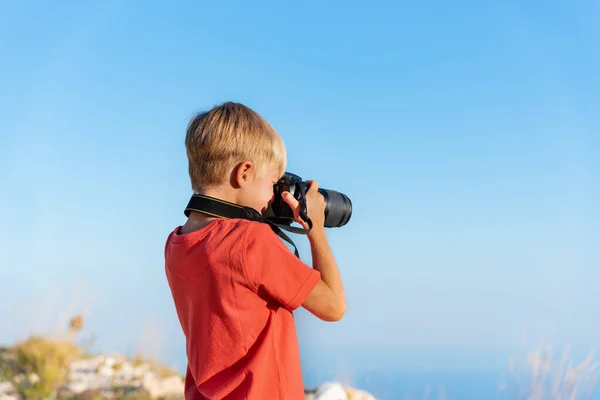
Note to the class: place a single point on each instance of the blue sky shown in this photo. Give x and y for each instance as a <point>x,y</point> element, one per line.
<point>466,135</point>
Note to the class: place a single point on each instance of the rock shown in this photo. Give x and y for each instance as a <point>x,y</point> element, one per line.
<point>337,391</point>
<point>356,394</point>
<point>7,391</point>
<point>169,386</point>
<point>105,373</point>
<point>90,374</point>
<point>330,391</point>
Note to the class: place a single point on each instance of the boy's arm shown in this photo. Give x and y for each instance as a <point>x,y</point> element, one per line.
<point>327,300</point>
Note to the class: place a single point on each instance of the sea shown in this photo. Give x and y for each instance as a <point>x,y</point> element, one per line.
<point>389,385</point>
<point>449,376</point>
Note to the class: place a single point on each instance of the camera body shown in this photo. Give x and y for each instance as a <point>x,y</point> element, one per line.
<point>338,207</point>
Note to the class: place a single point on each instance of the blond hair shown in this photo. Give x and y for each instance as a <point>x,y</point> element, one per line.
<point>230,133</point>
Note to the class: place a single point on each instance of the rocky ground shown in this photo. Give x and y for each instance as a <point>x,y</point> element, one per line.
<point>40,369</point>
<point>90,378</point>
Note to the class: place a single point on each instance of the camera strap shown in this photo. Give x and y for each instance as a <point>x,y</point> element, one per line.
<point>224,209</point>
<point>303,211</point>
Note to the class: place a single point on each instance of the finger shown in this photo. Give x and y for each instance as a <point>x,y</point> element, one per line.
<point>293,203</point>
<point>313,185</point>
<point>290,200</point>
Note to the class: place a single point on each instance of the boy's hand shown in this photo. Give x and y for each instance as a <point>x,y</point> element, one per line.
<point>315,206</point>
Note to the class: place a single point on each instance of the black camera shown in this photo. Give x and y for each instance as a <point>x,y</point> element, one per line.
<point>338,207</point>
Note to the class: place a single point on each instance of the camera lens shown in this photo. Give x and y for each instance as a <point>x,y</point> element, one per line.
<point>338,208</point>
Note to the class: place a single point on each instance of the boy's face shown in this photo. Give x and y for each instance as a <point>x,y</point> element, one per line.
<point>258,192</point>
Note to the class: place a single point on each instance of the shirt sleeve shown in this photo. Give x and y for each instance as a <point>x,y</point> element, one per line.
<point>270,266</point>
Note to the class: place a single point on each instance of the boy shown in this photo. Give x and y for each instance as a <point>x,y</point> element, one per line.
<point>234,283</point>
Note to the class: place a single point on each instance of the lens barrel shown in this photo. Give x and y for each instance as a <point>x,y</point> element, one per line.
<point>338,208</point>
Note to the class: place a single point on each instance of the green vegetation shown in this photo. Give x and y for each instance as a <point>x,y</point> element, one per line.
<point>39,369</point>
<point>38,366</point>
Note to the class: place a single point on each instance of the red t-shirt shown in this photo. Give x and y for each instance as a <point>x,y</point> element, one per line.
<point>235,285</point>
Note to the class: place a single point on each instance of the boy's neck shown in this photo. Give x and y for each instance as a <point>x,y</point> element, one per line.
<point>221,193</point>
<point>197,220</point>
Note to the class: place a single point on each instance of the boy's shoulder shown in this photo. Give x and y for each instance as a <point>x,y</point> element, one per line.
<point>233,232</point>
<point>253,235</point>
<point>255,240</point>
<point>245,229</point>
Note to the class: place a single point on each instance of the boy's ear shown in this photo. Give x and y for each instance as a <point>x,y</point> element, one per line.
<point>242,174</point>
